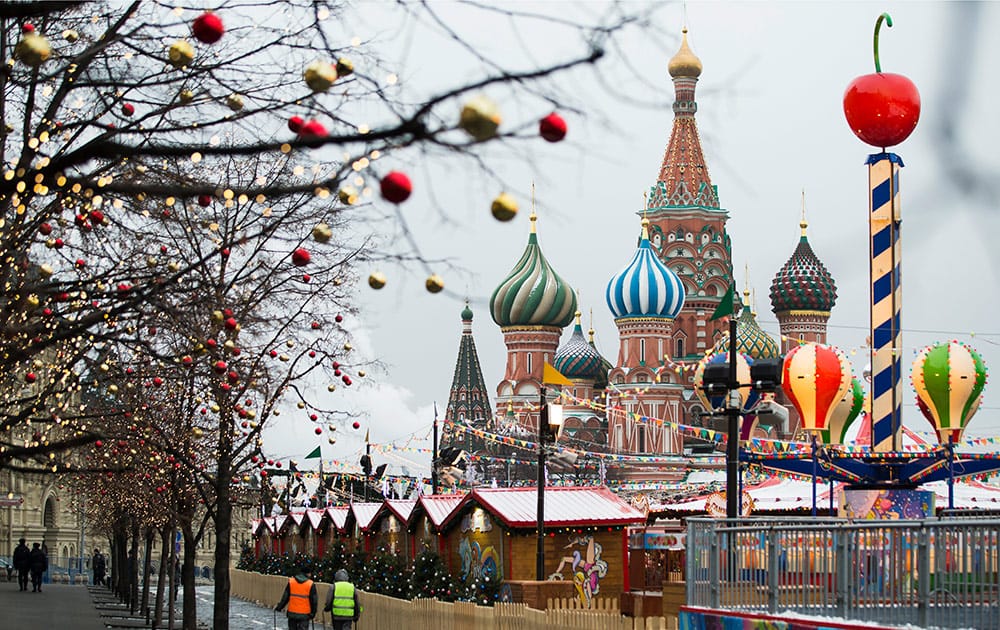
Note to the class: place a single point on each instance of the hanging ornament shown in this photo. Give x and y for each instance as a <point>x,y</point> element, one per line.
<point>181,54</point>
<point>295,124</point>
<point>949,379</point>
<point>301,257</point>
<point>320,75</point>
<point>376,280</point>
<point>207,28</point>
<point>234,102</point>
<point>322,233</point>
<point>185,96</point>
<point>552,127</point>
<point>344,67</point>
<point>434,284</point>
<point>480,118</point>
<point>504,207</point>
<point>396,187</point>
<point>33,49</point>
<point>312,130</point>
<point>815,378</point>
<point>70,35</point>
<point>128,109</point>
<point>845,412</point>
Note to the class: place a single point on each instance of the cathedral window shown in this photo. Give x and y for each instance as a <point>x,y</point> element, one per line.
<point>619,380</point>
<point>49,516</point>
<point>642,350</point>
<point>679,348</point>
<point>528,364</point>
<point>641,378</point>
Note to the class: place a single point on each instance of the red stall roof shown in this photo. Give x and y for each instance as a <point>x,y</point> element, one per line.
<point>315,518</point>
<point>564,507</point>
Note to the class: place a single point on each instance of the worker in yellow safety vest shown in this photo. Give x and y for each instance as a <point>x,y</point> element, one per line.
<point>301,598</point>
<point>342,602</point>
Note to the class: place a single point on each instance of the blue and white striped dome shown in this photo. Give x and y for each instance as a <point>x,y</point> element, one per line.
<point>646,287</point>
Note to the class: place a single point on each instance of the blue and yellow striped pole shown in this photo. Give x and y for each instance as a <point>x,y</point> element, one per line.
<point>886,301</point>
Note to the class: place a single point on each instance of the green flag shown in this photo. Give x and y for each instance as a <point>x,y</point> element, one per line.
<point>315,454</point>
<point>725,307</point>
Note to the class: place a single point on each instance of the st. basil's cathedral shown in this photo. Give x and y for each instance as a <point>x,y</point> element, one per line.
<point>662,301</point>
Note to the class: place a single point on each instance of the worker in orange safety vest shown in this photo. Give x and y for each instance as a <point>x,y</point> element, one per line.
<point>301,598</point>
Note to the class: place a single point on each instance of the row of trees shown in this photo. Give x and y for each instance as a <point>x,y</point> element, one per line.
<point>183,207</point>
<point>383,572</point>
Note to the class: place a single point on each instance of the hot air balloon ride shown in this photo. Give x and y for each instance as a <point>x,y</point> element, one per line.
<point>816,377</point>
<point>949,379</point>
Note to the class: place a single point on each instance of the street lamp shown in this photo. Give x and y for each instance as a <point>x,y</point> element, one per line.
<point>550,422</point>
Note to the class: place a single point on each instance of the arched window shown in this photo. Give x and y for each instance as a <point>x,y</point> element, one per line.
<point>642,350</point>
<point>49,516</point>
<point>679,347</point>
<point>529,362</point>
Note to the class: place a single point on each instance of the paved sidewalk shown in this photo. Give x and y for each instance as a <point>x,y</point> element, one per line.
<point>57,606</point>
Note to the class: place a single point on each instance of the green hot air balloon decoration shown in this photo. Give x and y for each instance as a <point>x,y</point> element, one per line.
<point>845,413</point>
<point>949,379</point>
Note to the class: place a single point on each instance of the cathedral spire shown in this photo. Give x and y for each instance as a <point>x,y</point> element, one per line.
<point>683,179</point>
<point>468,402</point>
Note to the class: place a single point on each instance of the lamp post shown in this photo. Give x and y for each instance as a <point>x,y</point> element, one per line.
<point>546,422</point>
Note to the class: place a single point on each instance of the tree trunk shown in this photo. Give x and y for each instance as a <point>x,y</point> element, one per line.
<point>187,578</point>
<point>146,571</point>
<point>133,569</point>
<point>172,595</point>
<point>166,542</point>
<point>120,566</point>
<point>223,553</point>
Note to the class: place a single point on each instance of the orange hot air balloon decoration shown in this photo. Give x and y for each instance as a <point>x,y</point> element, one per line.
<point>845,413</point>
<point>949,379</point>
<point>815,378</point>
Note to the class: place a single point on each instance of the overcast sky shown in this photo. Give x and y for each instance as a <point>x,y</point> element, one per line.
<point>771,123</point>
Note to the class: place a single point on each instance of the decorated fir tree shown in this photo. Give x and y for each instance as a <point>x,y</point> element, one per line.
<point>429,578</point>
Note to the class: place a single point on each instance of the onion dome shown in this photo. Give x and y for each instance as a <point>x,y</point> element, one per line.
<point>466,313</point>
<point>645,287</point>
<point>533,294</point>
<point>685,63</point>
<point>803,283</point>
<point>751,340</point>
<point>577,359</point>
<point>601,382</point>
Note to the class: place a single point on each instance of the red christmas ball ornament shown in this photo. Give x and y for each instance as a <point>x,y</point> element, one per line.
<point>346,379</point>
<point>157,381</point>
<point>45,229</point>
<point>356,425</point>
<point>231,323</point>
<point>220,366</point>
<point>312,130</point>
<point>207,28</point>
<point>295,124</point>
<point>315,326</point>
<point>883,108</point>
<point>128,109</point>
<point>96,217</point>
<point>187,361</point>
<point>277,464</point>
<point>99,443</point>
<point>30,377</point>
<point>81,263</point>
<point>396,187</point>
<point>301,257</point>
<point>339,318</point>
<point>552,127</point>
<point>318,431</point>
<point>204,200</point>
<point>28,28</point>
<point>306,277</point>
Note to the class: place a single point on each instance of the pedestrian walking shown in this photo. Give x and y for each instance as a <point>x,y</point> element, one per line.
<point>39,564</point>
<point>100,566</point>
<point>302,600</point>
<point>342,602</point>
<point>22,564</point>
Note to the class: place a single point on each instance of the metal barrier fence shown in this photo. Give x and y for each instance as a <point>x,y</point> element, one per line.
<point>933,573</point>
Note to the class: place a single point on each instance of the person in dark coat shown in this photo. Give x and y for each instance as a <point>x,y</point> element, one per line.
<point>99,566</point>
<point>342,602</point>
<point>39,564</point>
<point>22,564</point>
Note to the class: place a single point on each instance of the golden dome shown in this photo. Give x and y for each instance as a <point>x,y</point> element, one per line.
<point>685,63</point>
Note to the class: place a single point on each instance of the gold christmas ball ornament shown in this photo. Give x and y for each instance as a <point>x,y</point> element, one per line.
<point>376,280</point>
<point>331,388</point>
<point>348,195</point>
<point>33,50</point>
<point>361,373</point>
<point>480,118</point>
<point>234,102</point>
<point>434,283</point>
<point>344,67</point>
<point>197,432</point>
<point>332,440</point>
<point>185,96</point>
<point>504,207</point>
<point>322,233</point>
<point>70,35</point>
<point>320,75</point>
<point>181,54</point>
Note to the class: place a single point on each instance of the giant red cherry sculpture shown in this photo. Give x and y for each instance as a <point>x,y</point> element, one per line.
<point>882,108</point>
